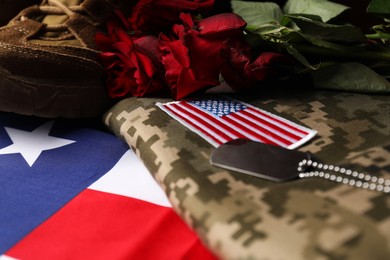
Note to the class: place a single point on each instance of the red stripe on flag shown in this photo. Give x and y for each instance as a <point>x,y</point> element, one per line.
<point>288,125</point>
<point>99,225</point>
<point>257,133</point>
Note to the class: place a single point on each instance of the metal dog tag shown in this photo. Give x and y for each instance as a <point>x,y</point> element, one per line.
<point>258,159</point>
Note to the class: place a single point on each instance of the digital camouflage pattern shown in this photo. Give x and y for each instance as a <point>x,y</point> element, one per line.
<point>243,217</point>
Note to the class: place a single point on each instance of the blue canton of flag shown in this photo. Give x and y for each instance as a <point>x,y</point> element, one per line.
<point>43,165</point>
<point>219,107</point>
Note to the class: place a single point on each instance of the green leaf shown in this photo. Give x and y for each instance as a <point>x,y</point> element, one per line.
<point>297,55</point>
<point>351,77</point>
<point>269,29</point>
<point>257,14</point>
<point>340,50</point>
<point>293,37</point>
<point>328,32</point>
<point>380,8</point>
<point>325,9</point>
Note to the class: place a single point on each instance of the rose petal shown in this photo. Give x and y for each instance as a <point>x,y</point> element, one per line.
<point>221,25</point>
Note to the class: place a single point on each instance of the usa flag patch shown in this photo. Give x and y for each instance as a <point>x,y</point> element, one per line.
<point>221,120</point>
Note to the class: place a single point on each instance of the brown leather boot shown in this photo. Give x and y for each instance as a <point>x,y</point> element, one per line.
<point>10,8</point>
<point>48,59</point>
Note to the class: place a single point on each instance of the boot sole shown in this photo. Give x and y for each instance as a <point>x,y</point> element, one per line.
<point>52,98</point>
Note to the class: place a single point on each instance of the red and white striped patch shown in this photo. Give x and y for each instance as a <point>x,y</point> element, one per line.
<point>221,120</point>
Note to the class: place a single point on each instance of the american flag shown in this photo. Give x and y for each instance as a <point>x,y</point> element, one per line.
<point>222,120</point>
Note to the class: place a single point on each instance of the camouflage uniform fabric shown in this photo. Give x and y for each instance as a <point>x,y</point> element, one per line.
<point>243,217</point>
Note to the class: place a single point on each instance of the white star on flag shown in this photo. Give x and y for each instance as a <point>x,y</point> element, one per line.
<point>31,144</point>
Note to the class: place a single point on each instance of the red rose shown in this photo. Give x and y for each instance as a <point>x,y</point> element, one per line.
<point>192,54</point>
<point>157,15</point>
<point>131,64</point>
<point>241,71</point>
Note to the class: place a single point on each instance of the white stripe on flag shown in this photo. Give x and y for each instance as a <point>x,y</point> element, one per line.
<point>130,178</point>
<point>5,257</point>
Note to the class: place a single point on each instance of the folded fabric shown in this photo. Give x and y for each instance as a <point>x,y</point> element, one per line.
<point>244,217</point>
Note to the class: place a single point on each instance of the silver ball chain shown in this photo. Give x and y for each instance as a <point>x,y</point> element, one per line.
<point>354,178</point>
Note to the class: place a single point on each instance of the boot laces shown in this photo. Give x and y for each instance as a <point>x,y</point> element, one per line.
<point>55,7</point>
